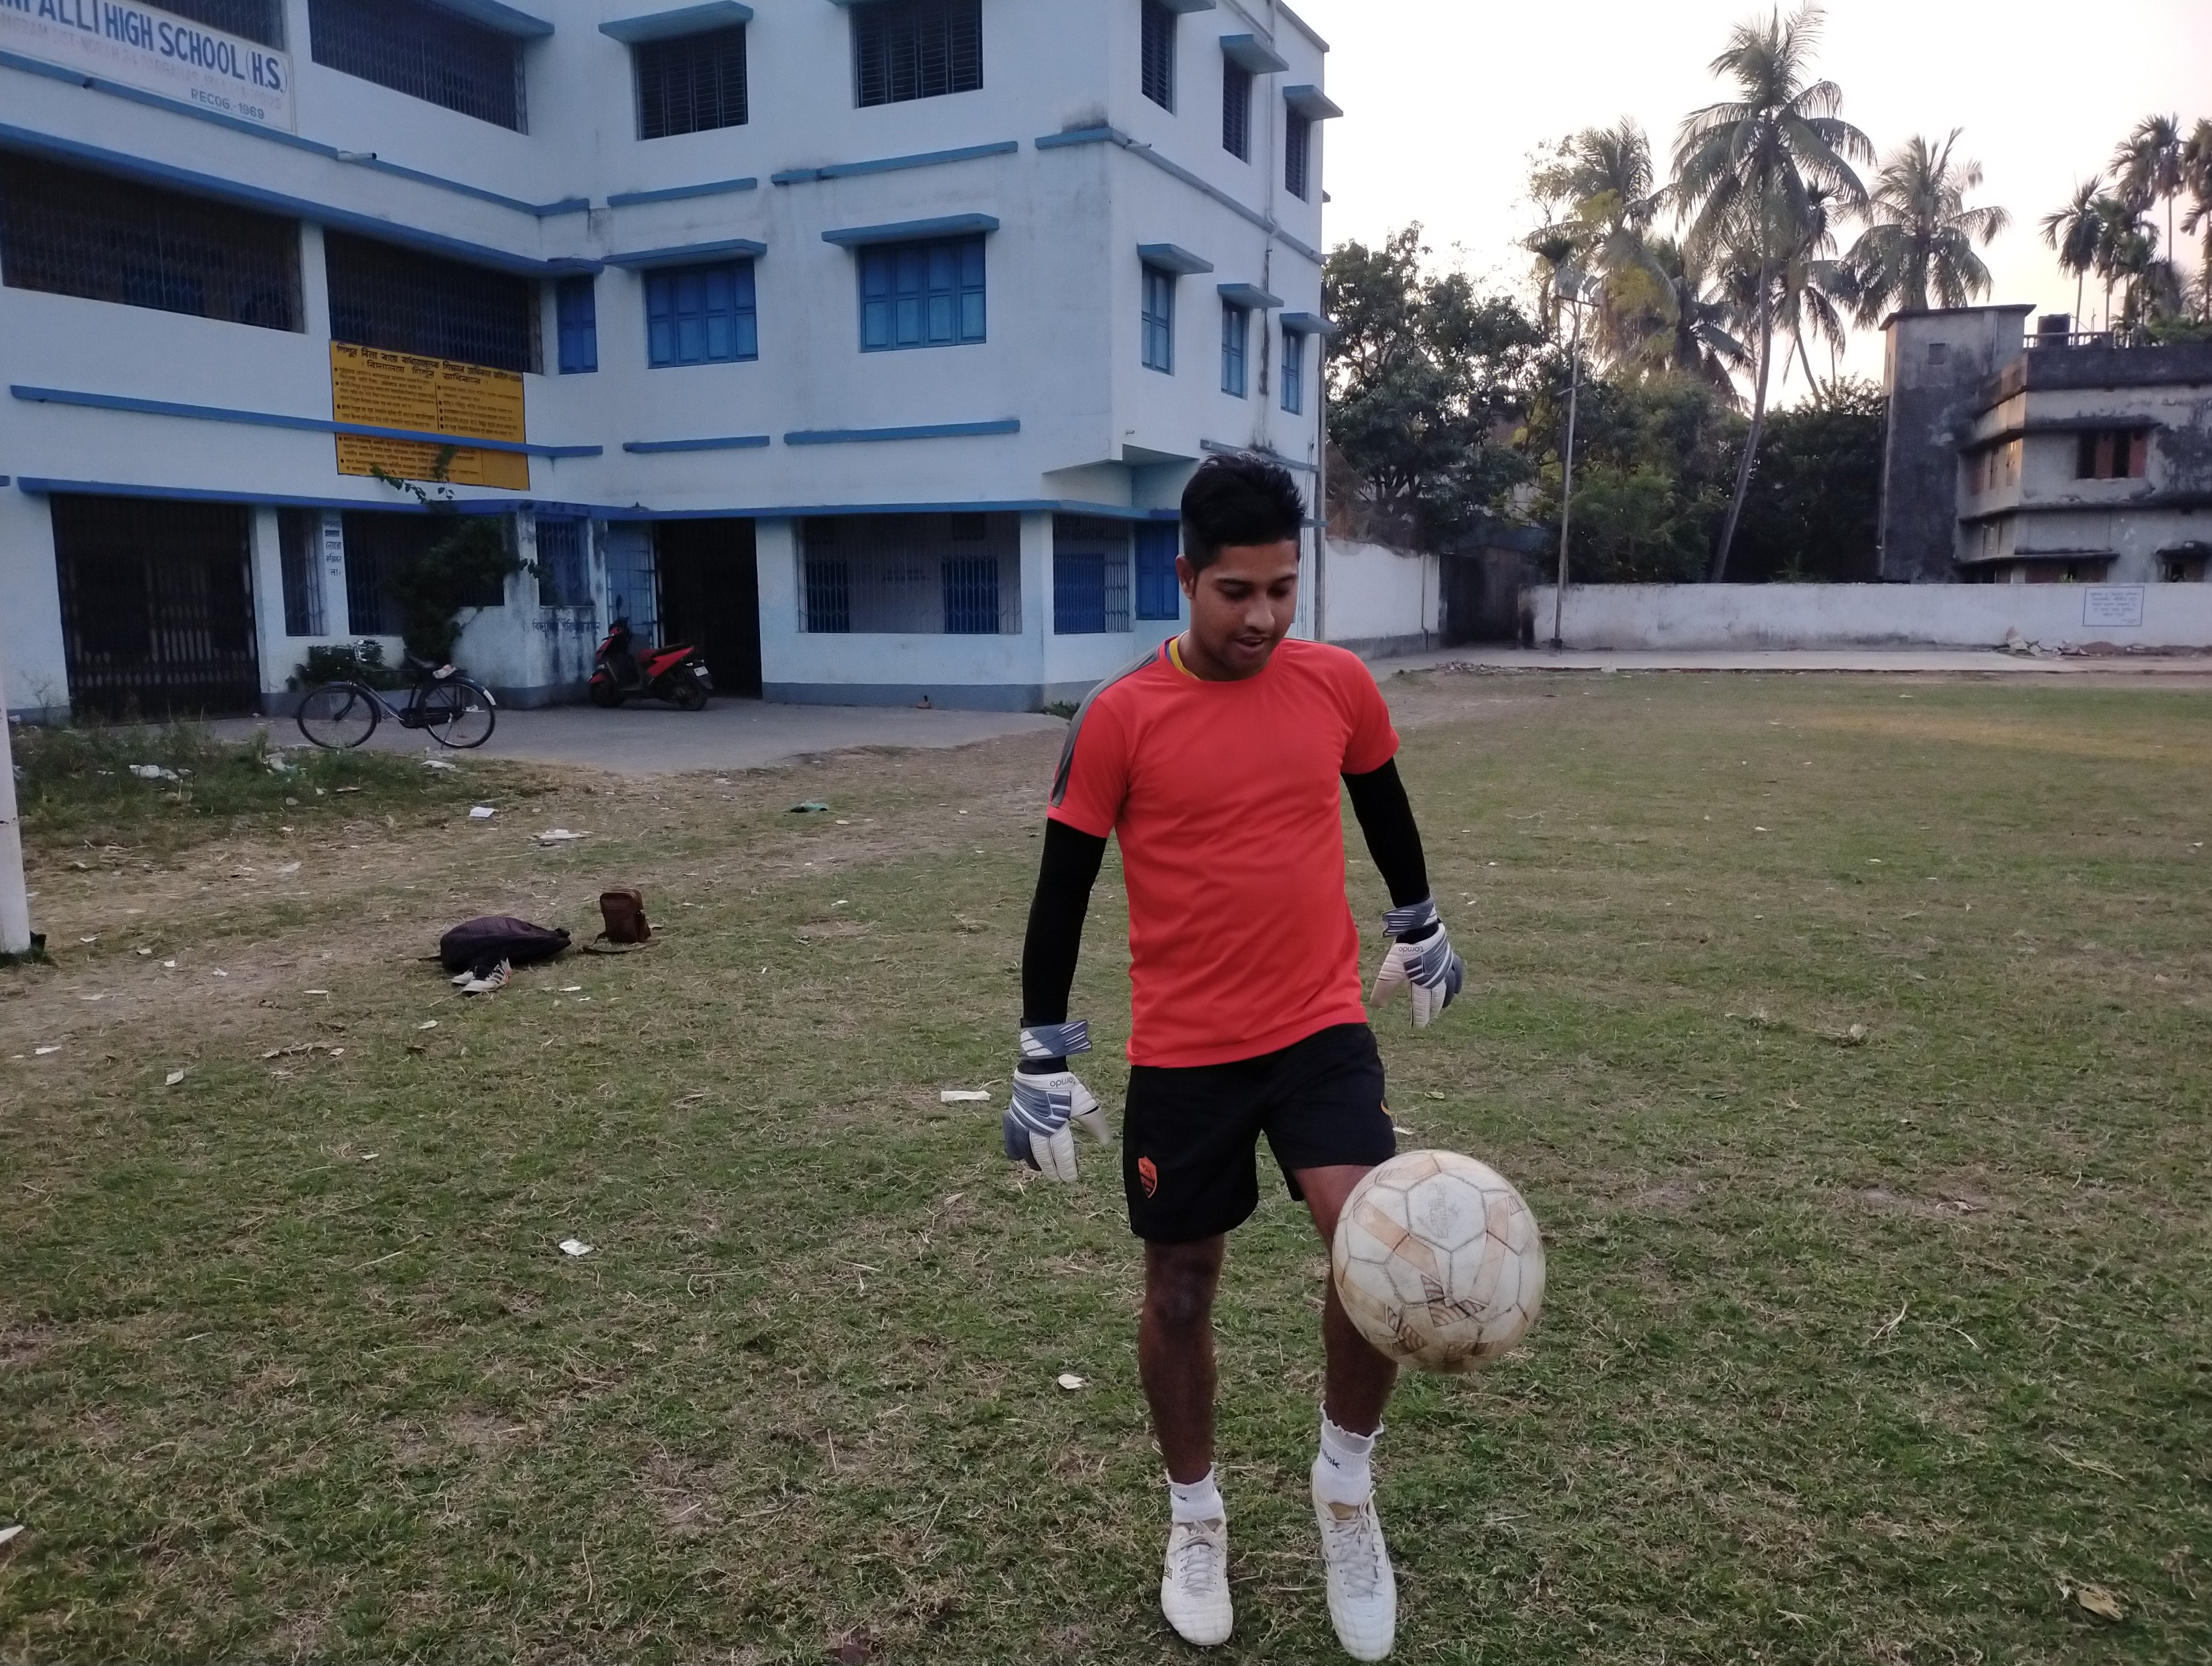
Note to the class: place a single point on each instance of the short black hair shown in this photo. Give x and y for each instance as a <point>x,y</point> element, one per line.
<point>1239,498</point>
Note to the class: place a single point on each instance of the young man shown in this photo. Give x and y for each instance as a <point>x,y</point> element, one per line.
<point>1217,760</point>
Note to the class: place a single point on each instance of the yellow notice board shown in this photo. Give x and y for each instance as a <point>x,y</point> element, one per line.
<point>433,395</point>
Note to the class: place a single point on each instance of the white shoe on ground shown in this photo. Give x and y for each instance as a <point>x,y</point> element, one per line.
<point>490,981</point>
<point>1194,1588</point>
<point>1363,1593</point>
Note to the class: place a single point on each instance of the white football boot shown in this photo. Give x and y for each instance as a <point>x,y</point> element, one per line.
<point>1194,1588</point>
<point>1363,1593</point>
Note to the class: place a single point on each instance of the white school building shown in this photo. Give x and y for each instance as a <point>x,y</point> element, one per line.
<point>867,343</point>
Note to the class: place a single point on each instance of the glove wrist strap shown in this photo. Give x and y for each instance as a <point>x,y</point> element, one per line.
<point>1056,1040</point>
<point>1397,922</point>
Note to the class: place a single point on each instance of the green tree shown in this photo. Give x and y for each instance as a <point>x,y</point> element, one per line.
<point>1694,336</point>
<point>2072,233</point>
<point>2147,167</point>
<point>1743,170</point>
<point>462,570</point>
<point>1919,247</point>
<point>1602,179</point>
<point>2197,180</point>
<point>1425,378</point>
<point>1814,504</point>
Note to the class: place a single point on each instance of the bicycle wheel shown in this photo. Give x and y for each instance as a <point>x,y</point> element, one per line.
<point>339,717</point>
<point>460,713</point>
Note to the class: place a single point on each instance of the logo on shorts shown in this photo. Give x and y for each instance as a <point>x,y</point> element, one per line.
<point>1148,1176</point>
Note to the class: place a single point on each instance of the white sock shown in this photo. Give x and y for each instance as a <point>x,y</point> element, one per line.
<point>1340,1474</point>
<point>1195,1501</point>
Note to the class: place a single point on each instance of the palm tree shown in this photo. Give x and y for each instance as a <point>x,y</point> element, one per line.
<point>1692,338</point>
<point>2197,180</point>
<point>1921,238</point>
<point>1743,169</point>
<point>2124,247</point>
<point>2147,167</point>
<point>2071,231</point>
<point>1604,179</point>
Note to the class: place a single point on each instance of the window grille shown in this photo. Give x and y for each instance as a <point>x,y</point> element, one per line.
<point>1236,334</point>
<point>700,314</point>
<point>1158,350</point>
<point>299,553</point>
<point>564,561</point>
<point>916,49</point>
<point>378,542</point>
<point>2109,454</point>
<point>1159,595</point>
<point>691,83</point>
<point>382,295</point>
<point>1294,371</point>
<point>1297,152</point>
<point>423,51</point>
<point>1236,109</point>
<point>576,317</point>
<point>1090,575</point>
<point>633,582</point>
<point>157,606</point>
<point>921,294</point>
<point>250,20</point>
<point>71,231</point>
<point>1157,54</point>
<point>914,574</point>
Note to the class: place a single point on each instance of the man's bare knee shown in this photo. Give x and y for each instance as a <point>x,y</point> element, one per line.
<point>1179,1285</point>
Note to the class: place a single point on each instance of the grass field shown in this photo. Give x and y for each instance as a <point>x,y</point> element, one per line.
<point>1848,1036</point>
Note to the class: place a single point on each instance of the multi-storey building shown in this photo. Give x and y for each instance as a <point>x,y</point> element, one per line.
<point>2055,458</point>
<point>867,342</point>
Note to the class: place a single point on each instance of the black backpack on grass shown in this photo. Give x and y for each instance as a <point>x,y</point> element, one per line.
<point>477,944</point>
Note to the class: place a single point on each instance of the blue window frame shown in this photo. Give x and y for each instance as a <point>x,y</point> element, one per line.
<point>576,313</point>
<point>1158,596</point>
<point>1156,53</point>
<point>1079,592</point>
<point>921,294</point>
<point>700,314</point>
<point>1297,153</point>
<point>1294,371</point>
<point>1236,109</point>
<point>1236,336</point>
<point>972,594</point>
<point>1159,319</point>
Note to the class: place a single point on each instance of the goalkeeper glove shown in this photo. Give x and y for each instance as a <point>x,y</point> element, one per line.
<point>1044,1102</point>
<point>1420,961</point>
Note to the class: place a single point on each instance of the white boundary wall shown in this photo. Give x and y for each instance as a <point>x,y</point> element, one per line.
<point>1754,616</point>
<point>1381,598</point>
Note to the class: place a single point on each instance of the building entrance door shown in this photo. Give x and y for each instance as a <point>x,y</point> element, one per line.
<point>710,596</point>
<point>157,606</point>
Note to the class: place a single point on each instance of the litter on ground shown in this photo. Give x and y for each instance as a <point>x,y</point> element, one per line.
<point>174,1077</point>
<point>8,1533</point>
<point>574,1248</point>
<point>440,764</point>
<point>811,807</point>
<point>560,835</point>
<point>287,867</point>
<point>961,1095</point>
<point>153,772</point>
<point>1070,1381</point>
<point>481,812</point>
<point>41,1052</point>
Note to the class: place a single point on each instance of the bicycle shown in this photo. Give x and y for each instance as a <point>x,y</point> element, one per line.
<point>458,711</point>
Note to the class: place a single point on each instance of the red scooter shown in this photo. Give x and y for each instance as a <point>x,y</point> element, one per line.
<point>676,673</point>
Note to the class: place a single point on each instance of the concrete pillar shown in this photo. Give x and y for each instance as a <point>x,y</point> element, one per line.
<point>276,648</point>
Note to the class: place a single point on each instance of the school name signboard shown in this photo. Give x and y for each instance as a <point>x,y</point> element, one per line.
<point>153,53</point>
<point>379,389</point>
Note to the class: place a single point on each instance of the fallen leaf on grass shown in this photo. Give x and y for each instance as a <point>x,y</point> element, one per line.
<point>2095,1599</point>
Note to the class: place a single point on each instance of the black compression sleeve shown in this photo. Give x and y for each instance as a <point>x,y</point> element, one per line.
<point>1065,876</point>
<point>1378,799</point>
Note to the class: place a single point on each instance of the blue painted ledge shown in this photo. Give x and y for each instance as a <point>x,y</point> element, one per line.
<point>793,176</point>
<point>723,442</point>
<point>59,396</point>
<point>676,194</point>
<point>1103,134</point>
<point>850,436</point>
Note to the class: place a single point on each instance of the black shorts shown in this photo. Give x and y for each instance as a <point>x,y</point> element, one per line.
<point>1190,1134</point>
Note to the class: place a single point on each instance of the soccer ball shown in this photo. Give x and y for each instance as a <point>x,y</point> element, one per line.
<point>1438,1261</point>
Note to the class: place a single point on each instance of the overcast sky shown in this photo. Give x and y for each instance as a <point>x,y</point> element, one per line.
<point>1444,99</point>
